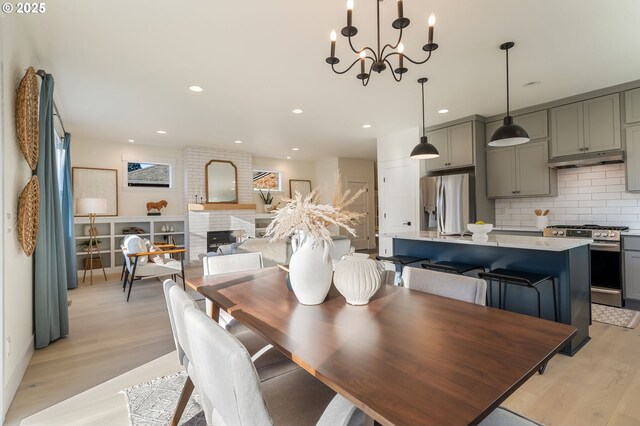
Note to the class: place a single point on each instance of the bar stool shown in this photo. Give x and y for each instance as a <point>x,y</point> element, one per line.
<point>451,267</point>
<point>400,262</point>
<point>523,279</point>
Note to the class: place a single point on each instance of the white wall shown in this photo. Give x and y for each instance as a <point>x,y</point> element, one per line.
<point>109,155</point>
<point>585,195</point>
<point>290,169</point>
<point>17,280</point>
<point>326,171</point>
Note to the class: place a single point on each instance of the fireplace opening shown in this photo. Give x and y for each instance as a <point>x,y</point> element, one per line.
<point>216,239</point>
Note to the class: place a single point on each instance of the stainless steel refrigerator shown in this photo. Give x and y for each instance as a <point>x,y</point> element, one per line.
<point>448,202</point>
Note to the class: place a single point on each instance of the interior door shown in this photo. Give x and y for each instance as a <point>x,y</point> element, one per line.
<point>360,205</point>
<point>398,195</point>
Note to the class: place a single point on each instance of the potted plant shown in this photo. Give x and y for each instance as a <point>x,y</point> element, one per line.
<point>267,199</point>
<point>305,221</point>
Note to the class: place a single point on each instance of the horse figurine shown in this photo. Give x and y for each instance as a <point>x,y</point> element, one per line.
<point>155,206</point>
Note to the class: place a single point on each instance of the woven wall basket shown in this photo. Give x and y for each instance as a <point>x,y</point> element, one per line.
<point>29,216</point>
<point>27,117</point>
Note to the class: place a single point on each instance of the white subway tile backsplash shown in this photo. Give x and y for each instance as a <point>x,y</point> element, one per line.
<point>594,194</point>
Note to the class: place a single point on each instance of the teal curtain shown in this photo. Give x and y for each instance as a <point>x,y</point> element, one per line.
<point>51,319</point>
<point>67,212</point>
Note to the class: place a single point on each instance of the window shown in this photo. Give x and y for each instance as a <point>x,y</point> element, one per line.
<point>267,180</point>
<point>148,173</point>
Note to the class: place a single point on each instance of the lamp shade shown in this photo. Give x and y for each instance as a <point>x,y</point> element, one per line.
<point>509,134</point>
<point>424,150</point>
<point>91,205</point>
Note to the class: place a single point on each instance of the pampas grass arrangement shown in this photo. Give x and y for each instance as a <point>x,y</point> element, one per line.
<point>307,215</point>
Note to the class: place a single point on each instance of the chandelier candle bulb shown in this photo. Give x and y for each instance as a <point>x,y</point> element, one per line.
<point>362,56</point>
<point>400,11</point>
<point>401,52</point>
<point>432,23</point>
<point>349,12</point>
<point>333,43</point>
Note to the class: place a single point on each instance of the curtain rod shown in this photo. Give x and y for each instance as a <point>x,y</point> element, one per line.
<point>42,74</point>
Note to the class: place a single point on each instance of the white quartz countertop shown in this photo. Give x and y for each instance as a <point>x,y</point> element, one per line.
<point>631,232</point>
<point>517,229</point>
<point>509,241</point>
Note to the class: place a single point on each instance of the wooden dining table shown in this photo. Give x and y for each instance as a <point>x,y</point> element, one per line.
<point>406,358</point>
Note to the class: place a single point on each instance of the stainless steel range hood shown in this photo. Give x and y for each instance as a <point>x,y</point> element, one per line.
<point>585,160</point>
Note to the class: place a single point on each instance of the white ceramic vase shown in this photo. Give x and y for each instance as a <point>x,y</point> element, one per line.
<point>357,278</point>
<point>310,269</point>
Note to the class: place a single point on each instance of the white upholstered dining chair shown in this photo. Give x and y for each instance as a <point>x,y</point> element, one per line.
<point>223,264</point>
<point>232,393</point>
<point>268,365</point>
<point>453,286</point>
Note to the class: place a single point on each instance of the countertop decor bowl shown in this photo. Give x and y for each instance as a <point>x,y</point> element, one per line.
<point>480,231</point>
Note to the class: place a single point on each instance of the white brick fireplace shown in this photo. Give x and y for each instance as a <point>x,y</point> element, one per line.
<point>194,160</point>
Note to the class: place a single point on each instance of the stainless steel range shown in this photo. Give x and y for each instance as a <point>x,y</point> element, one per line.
<point>606,259</point>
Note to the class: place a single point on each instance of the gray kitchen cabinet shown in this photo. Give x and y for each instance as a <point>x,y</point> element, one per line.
<point>501,172</point>
<point>632,106</point>
<point>588,126</point>
<point>440,139</point>
<point>533,174</point>
<point>633,158</point>
<point>567,130</point>
<point>534,123</point>
<point>631,271</point>
<point>602,123</point>
<point>461,145</point>
<point>520,171</point>
<point>455,145</point>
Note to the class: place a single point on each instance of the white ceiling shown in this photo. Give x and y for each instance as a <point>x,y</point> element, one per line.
<point>122,67</point>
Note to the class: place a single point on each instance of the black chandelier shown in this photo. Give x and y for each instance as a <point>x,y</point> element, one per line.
<point>380,61</point>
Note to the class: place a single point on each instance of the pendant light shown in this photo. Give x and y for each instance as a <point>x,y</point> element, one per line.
<point>424,150</point>
<point>509,134</point>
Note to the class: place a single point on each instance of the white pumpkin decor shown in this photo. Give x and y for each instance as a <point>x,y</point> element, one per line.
<point>357,278</point>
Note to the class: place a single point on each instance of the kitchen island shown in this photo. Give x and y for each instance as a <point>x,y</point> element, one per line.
<point>567,259</point>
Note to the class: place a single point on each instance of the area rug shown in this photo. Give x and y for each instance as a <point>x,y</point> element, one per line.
<point>615,316</point>
<point>152,403</point>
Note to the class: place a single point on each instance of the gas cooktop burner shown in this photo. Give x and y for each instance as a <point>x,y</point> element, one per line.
<point>591,227</point>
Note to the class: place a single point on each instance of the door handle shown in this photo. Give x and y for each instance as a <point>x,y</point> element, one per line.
<point>407,223</point>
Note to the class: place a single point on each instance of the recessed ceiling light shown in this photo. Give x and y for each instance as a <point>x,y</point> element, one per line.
<point>131,140</point>
<point>237,141</point>
<point>366,126</point>
<point>531,83</point>
<point>297,111</point>
<point>288,158</point>
<point>443,111</point>
<point>295,149</point>
<point>162,132</point>
<point>196,88</point>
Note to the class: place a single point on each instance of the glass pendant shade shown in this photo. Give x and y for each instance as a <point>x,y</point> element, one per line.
<point>509,134</point>
<point>424,150</point>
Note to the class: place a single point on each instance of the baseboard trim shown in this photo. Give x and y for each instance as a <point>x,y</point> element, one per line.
<point>13,383</point>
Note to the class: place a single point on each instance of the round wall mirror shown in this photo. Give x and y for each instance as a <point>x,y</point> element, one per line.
<point>221,181</point>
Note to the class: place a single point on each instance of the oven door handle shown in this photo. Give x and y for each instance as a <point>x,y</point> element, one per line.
<point>605,247</point>
<point>604,291</point>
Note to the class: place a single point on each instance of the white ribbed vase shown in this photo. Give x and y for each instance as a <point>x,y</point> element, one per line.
<point>310,269</point>
<point>357,278</point>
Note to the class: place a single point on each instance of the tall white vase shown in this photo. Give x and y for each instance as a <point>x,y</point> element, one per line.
<point>310,269</point>
<point>357,278</point>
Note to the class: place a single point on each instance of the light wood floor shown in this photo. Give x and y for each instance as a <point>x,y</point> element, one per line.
<point>598,386</point>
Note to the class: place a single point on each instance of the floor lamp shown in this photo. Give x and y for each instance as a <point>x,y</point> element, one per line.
<point>92,207</point>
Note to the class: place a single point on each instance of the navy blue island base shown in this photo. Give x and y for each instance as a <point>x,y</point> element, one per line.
<point>571,267</point>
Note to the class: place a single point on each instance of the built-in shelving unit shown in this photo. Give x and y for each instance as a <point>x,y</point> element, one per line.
<point>220,206</point>
<point>262,221</point>
<point>111,234</point>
